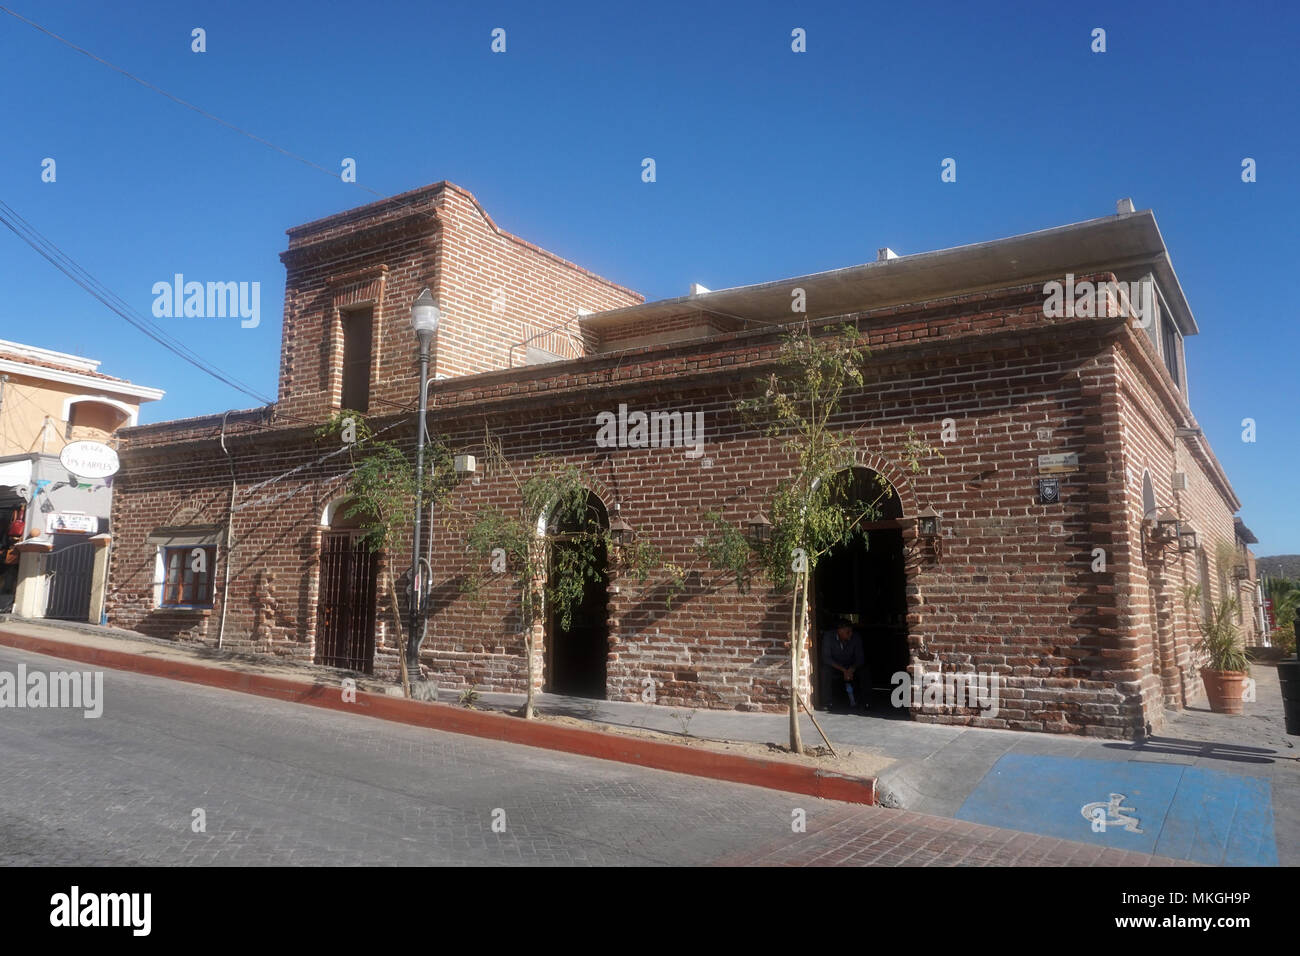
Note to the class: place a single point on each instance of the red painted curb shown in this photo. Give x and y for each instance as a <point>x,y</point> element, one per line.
<point>773,774</point>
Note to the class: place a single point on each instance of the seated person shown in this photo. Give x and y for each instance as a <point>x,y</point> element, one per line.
<point>844,664</point>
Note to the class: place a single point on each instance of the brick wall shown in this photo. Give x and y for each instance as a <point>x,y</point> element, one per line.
<point>1014,591</point>
<point>497,294</point>
<point>1015,587</point>
<point>1151,412</point>
<point>500,294</point>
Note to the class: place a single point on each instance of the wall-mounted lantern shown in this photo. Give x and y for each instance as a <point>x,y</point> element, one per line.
<point>620,532</point>
<point>760,529</point>
<point>929,527</point>
<point>1166,527</point>
<point>1186,538</point>
<point>1240,572</point>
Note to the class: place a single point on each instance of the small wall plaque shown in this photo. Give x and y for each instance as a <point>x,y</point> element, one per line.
<point>1049,490</point>
<point>72,521</point>
<point>1058,464</point>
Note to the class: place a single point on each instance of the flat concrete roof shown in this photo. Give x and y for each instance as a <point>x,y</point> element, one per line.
<point>1119,243</point>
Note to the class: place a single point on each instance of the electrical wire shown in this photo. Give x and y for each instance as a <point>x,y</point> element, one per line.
<point>69,267</point>
<point>197,109</point>
<point>176,99</point>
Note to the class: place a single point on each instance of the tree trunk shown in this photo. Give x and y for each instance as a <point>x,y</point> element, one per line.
<point>529,603</point>
<point>528,700</point>
<point>401,640</point>
<point>796,618</point>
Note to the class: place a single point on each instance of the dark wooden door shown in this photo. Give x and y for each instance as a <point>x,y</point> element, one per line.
<point>70,567</point>
<point>345,631</point>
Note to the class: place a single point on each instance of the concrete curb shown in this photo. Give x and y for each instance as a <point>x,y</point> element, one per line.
<point>755,771</point>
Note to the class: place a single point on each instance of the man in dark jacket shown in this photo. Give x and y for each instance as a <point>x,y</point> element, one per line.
<point>844,662</point>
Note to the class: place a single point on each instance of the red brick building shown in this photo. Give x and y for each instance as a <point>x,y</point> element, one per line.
<point>1077,603</point>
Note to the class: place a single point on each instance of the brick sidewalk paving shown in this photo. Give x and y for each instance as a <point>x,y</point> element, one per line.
<point>873,836</point>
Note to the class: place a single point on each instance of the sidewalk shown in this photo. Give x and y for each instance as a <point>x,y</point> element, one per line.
<point>1211,789</point>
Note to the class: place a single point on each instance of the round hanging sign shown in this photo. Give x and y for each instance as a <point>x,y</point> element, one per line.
<point>89,459</point>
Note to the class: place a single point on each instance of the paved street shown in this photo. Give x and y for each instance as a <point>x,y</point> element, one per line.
<point>285,784</point>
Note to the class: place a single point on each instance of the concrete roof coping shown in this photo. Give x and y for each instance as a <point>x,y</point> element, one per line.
<point>1120,242</point>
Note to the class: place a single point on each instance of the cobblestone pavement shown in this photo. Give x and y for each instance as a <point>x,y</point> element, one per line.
<point>280,783</point>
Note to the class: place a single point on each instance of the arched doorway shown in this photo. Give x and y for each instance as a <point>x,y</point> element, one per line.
<point>865,582</point>
<point>345,606</point>
<point>576,654</point>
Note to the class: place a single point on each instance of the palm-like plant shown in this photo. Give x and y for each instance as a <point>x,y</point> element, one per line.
<point>1284,594</point>
<point>1220,638</point>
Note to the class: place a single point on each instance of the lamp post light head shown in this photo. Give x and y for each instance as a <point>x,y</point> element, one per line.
<point>425,315</point>
<point>760,529</point>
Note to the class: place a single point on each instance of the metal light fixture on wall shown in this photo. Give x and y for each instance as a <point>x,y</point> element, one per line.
<point>929,527</point>
<point>760,529</point>
<point>928,523</point>
<point>1166,526</point>
<point>1186,539</point>
<point>620,532</point>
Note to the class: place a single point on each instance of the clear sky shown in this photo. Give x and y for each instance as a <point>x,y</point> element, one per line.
<point>769,163</point>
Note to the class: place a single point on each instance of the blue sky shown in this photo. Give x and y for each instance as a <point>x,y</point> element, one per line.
<point>769,163</point>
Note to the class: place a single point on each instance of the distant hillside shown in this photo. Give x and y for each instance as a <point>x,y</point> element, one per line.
<point>1280,566</point>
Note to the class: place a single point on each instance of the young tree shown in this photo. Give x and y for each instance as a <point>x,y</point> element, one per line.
<point>819,506</point>
<point>381,491</point>
<point>552,542</point>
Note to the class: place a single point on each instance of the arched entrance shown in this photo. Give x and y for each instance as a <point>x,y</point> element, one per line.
<point>576,654</point>
<point>865,581</point>
<point>345,607</point>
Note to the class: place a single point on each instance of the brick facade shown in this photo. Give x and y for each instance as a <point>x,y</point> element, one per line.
<point>1012,589</point>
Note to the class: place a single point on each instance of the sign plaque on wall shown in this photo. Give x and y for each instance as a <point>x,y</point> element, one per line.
<point>1058,464</point>
<point>74,522</point>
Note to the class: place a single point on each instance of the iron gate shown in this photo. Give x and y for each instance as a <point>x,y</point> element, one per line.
<point>345,631</point>
<point>70,567</point>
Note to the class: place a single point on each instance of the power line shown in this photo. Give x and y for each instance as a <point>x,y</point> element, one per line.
<point>69,267</point>
<point>88,282</point>
<point>176,99</point>
<point>202,112</point>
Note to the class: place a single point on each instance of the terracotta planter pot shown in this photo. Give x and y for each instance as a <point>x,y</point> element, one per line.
<point>1224,689</point>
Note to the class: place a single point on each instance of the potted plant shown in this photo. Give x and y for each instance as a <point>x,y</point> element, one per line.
<point>1226,668</point>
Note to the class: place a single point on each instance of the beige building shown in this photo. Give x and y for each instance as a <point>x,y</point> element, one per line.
<point>54,534</point>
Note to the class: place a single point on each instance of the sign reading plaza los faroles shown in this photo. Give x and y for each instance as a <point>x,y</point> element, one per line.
<point>89,459</point>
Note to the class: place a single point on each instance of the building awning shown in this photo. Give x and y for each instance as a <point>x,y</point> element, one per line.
<point>16,474</point>
<point>186,535</point>
<point>1244,533</point>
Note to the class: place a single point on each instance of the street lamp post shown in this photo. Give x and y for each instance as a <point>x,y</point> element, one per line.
<point>424,320</point>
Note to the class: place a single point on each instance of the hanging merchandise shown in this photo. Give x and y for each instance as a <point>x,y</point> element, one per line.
<point>17,525</point>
